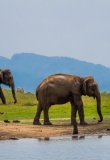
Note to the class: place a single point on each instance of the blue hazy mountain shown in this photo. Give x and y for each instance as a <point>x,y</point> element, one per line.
<point>30,69</point>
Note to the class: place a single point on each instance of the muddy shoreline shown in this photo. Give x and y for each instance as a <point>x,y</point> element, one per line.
<point>18,130</point>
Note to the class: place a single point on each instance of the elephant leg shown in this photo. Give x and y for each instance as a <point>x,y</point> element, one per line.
<point>38,113</point>
<point>73,118</point>
<point>73,112</point>
<point>79,104</point>
<point>46,116</point>
<point>81,114</point>
<point>75,128</point>
<point>2,96</point>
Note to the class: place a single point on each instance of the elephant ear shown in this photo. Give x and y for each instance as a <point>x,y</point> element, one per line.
<point>85,82</point>
<point>84,88</point>
<point>6,73</point>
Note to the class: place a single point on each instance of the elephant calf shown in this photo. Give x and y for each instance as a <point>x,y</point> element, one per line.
<point>63,88</point>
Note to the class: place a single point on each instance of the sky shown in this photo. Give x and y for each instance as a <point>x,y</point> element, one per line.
<point>70,28</point>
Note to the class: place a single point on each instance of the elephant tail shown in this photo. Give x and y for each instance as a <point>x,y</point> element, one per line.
<point>37,94</point>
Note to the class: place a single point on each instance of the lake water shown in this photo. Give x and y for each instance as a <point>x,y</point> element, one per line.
<point>60,148</point>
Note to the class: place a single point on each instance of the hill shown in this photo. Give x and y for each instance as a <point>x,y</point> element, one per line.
<point>30,69</point>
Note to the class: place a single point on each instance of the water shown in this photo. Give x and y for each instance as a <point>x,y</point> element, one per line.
<point>61,148</point>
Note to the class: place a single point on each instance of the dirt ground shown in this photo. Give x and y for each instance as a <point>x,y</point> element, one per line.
<point>19,130</point>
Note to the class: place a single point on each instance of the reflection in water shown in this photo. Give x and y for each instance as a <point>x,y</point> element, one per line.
<point>57,148</point>
<point>75,137</point>
<point>100,136</point>
<point>81,137</point>
<point>44,139</point>
<point>78,137</point>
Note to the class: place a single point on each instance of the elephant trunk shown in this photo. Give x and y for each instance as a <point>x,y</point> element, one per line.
<point>98,99</point>
<point>13,92</point>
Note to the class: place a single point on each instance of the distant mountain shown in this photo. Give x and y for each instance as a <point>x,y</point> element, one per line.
<point>30,69</point>
<point>4,62</point>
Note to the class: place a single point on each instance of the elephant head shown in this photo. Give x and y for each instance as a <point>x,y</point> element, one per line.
<point>90,88</point>
<point>7,79</point>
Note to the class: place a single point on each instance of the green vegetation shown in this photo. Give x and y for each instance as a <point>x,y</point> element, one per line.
<point>25,109</point>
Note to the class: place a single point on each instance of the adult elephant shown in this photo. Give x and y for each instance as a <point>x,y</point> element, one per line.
<point>7,79</point>
<point>63,88</point>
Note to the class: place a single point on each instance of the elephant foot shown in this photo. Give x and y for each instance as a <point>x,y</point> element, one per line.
<point>47,123</point>
<point>4,102</point>
<point>36,123</point>
<point>72,123</point>
<point>83,123</point>
<point>15,101</point>
<point>75,132</point>
<point>100,120</point>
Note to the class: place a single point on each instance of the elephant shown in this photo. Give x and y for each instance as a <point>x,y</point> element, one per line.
<point>63,88</point>
<point>6,78</point>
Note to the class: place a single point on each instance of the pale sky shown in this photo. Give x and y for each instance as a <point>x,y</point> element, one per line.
<point>73,28</point>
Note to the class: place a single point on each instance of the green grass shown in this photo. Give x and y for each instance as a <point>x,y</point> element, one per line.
<point>26,106</point>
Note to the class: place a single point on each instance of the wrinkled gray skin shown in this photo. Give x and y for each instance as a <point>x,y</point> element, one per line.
<point>7,79</point>
<point>63,88</point>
